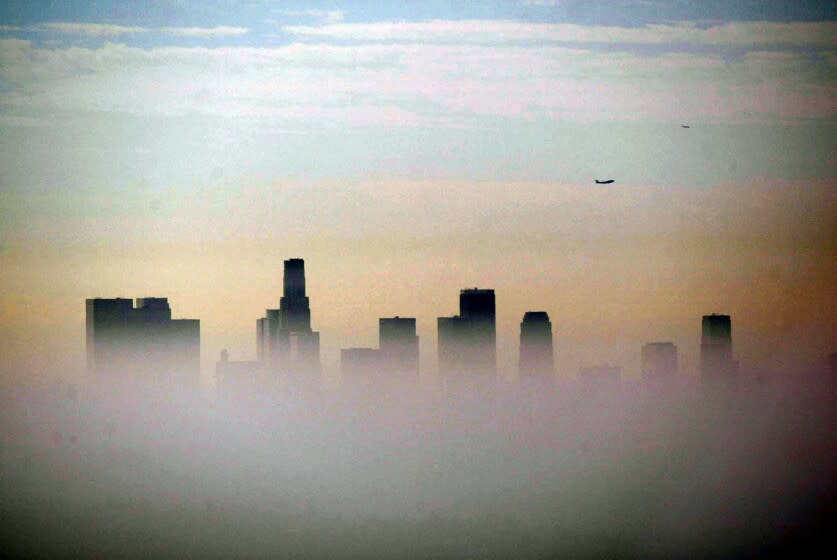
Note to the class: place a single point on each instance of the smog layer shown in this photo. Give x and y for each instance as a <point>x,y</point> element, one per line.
<point>398,471</point>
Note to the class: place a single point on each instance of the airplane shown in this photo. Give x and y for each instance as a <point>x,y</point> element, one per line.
<point>605,182</point>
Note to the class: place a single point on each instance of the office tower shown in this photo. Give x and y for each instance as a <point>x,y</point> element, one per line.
<point>267,339</point>
<point>477,307</point>
<point>659,361</point>
<point>536,355</point>
<point>141,343</point>
<point>262,340</point>
<point>398,355</point>
<point>451,332</point>
<point>399,345</point>
<point>716,347</point>
<point>468,342</point>
<point>286,342</point>
<point>294,311</point>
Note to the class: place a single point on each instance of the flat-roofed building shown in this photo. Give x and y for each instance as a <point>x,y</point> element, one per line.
<point>399,345</point>
<point>536,353</point>
<point>141,343</point>
<point>659,361</point>
<point>467,343</point>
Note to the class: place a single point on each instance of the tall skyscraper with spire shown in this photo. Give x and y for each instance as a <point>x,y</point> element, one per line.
<point>285,340</point>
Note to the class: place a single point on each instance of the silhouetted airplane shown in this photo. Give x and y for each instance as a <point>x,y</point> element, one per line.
<point>605,182</point>
<point>685,126</point>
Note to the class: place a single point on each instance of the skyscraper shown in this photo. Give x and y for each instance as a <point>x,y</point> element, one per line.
<point>659,361</point>
<point>468,342</point>
<point>716,347</point>
<point>284,337</point>
<point>399,345</point>
<point>536,354</point>
<point>452,334</point>
<point>267,341</point>
<point>397,356</point>
<point>142,344</point>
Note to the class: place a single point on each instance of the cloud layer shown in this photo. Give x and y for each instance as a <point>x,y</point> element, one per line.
<point>738,34</point>
<point>109,30</point>
<point>406,84</point>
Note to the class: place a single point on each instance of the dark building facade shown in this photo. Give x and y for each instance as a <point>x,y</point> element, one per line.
<point>396,357</point>
<point>467,343</point>
<point>536,353</point>
<point>716,347</point>
<point>659,361</point>
<point>267,335</point>
<point>451,332</point>
<point>141,343</point>
<point>285,341</point>
<point>399,345</point>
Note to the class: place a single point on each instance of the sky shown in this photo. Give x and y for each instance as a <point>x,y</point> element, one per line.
<point>186,148</point>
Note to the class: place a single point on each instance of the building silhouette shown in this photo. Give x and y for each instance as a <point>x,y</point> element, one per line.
<point>399,345</point>
<point>397,355</point>
<point>716,347</point>
<point>659,361</point>
<point>284,338</point>
<point>452,333</point>
<point>536,354</point>
<point>141,343</point>
<point>267,333</point>
<point>467,343</point>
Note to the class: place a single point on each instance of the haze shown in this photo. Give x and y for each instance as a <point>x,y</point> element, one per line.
<point>185,149</point>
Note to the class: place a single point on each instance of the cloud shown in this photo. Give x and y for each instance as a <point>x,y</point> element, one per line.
<point>206,32</point>
<point>415,85</point>
<point>324,16</point>
<point>737,34</point>
<point>91,29</point>
<point>10,28</point>
<point>108,30</point>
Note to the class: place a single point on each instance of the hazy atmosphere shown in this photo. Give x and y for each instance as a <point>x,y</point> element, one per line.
<point>184,149</point>
<point>627,166</point>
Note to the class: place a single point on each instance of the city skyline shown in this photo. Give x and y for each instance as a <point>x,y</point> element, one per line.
<point>121,336</point>
<point>591,212</point>
<point>185,148</point>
